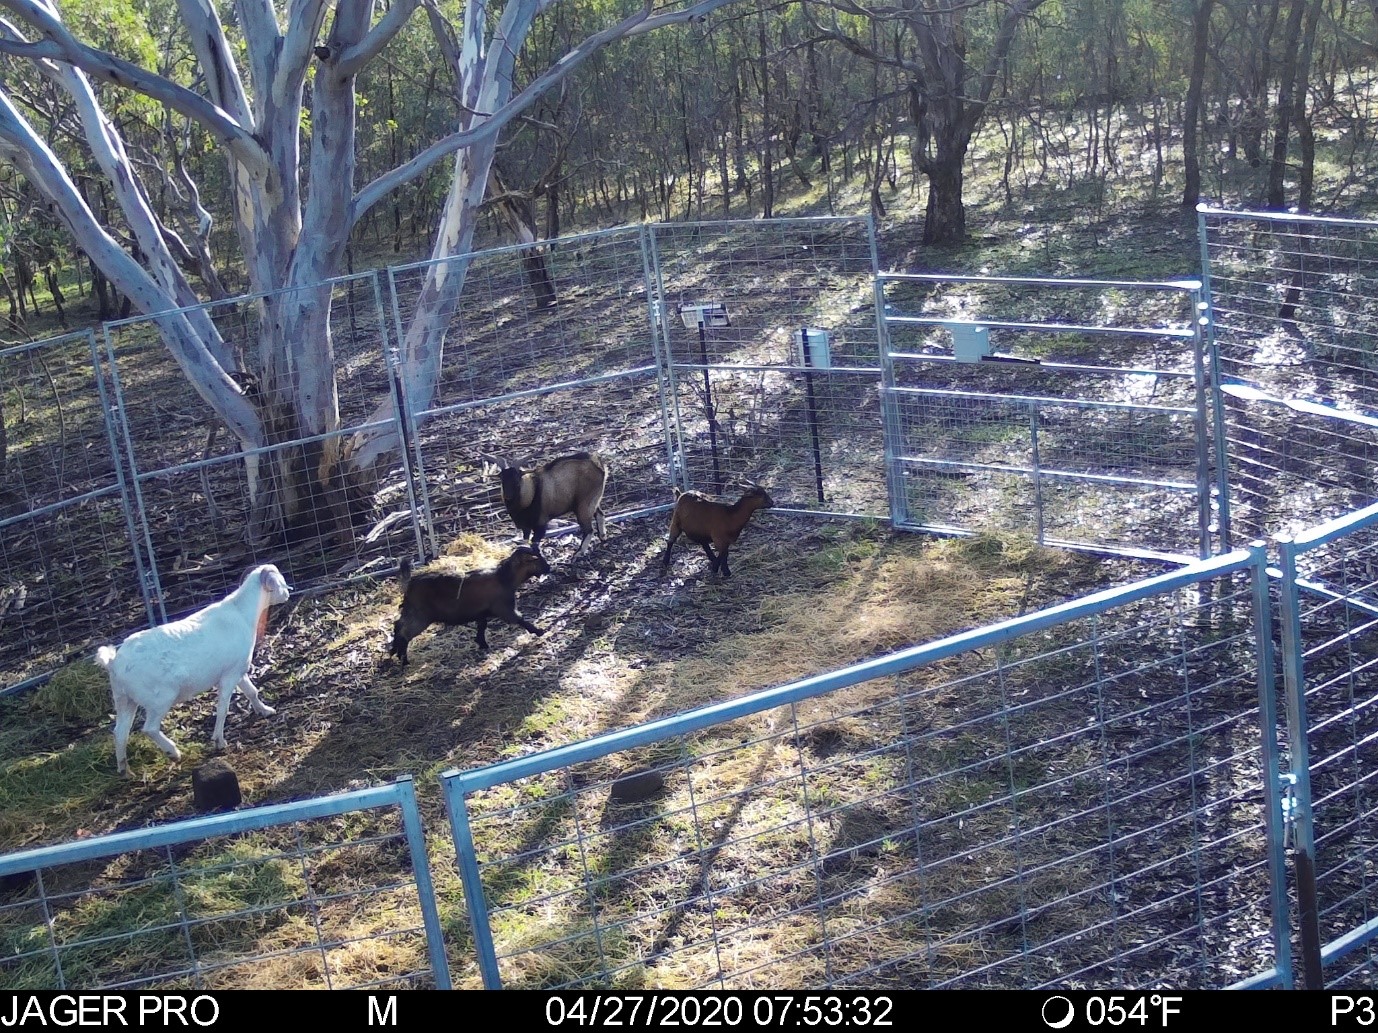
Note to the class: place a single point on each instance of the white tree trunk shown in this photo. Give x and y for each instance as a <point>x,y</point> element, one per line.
<point>289,246</point>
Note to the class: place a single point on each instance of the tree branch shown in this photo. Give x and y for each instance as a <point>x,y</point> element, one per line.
<point>1009,25</point>
<point>62,48</point>
<point>258,24</point>
<point>857,47</point>
<point>303,29</point>
<point>22,146</point>
<point>353,60</point>
<point>636,25</point>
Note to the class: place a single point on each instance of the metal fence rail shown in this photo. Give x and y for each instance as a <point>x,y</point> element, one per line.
<point>333,892</point>
<point>1075,795</point>
<point>1004,410</point>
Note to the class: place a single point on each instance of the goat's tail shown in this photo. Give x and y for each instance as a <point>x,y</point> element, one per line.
<point>678,492</point>
<point>404,574</point>
<point>104,656</point>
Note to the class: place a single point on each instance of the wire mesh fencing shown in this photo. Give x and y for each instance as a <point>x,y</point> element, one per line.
<point>1330,624</point>
<point>1008,406</point>
<point>211,507</point>
<point>1073,798</point>
<point>1294,318</point>
<point>774,368</point>
<point>550,351</point>
<point>68,568</point>
<point>333,893</point>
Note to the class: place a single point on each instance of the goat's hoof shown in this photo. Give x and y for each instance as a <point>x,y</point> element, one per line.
<point>267,711</point>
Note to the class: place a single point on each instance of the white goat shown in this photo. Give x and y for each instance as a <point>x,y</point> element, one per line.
<point>161,667</point>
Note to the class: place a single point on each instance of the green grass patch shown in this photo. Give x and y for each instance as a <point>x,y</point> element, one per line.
<point>214,907</point>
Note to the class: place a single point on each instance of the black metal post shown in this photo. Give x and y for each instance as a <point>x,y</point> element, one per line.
<point>708,404</point>
<point>813,412</point>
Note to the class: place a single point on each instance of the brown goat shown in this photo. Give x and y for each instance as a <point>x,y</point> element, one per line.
<point>710,523</point>
<point>473,598</point>
<point>534,496</point>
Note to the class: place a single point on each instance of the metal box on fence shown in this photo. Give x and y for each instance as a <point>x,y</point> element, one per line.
<point>702,314</point>
<point>810,347</point>
<point>970,341</point>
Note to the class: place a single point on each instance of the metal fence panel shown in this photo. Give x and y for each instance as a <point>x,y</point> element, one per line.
<point>772,277</point>
<point>191,480</point>
<point>750,401</point>
<point>330,893</point>
<point>68,569</point>
<point>1006,407</point>
<point>551,350</point>
<point>1294,320</point>
<point>814,440</point>
<point>1092,474</point>
<point>1073,797</point>
<point>589,319</point>
<point>1330,613</point>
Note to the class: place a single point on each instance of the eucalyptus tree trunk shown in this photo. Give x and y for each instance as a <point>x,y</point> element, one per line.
<point>1277,169</point>
<point>1191,115</point>
<point>293,213</point>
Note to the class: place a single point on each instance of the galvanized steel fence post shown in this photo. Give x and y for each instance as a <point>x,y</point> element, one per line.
<point>1299,757</point>
<point>144,555</point>
<point>113,417</point>
<point>1203,433</point>
<point>413,463</point>
<point>655,285</point>
<point>889,406</point>
<point>1208,346</point>
<point>1275,822</point>
<point>1037,472</point>
<point>475,899</point>
<point>660,351</point>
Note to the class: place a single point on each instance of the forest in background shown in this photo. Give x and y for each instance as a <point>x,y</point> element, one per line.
<point>1262,103</point>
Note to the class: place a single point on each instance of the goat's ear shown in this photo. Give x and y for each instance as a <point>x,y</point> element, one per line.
<point>491,466</point>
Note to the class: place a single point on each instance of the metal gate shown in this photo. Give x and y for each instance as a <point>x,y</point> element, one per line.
<point>772,369</point>
<point>1003,411</point>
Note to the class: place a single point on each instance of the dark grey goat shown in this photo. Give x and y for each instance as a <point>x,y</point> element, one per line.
<point>534,496</point>
<point>473,598</point>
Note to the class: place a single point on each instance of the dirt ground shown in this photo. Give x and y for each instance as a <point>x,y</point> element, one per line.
<point>616,633</point>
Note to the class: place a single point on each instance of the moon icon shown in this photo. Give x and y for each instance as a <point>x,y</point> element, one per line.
<point>1053,1015</point>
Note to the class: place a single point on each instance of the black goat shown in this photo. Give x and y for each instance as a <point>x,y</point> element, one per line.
<point>474,598</point>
